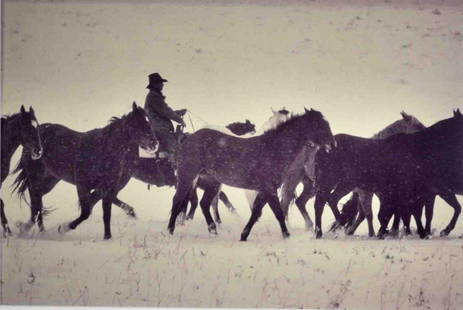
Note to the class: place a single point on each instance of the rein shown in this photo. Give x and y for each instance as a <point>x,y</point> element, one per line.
<point>196,116</point>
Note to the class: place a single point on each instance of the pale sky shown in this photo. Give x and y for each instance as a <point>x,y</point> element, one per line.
<point>81,62</point>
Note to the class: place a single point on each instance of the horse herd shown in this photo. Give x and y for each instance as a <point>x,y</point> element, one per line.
<point>406,165</point>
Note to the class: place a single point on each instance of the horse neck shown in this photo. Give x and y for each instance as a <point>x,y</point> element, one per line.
<point>439,135</point>
<point>11,136</point>
<point>117,139</point>
<point>395,128</point>
<point>287,141</point>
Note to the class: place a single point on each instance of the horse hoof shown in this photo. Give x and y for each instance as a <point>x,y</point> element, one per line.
<point>244,235</point>
<point>63,228</point>
<point>381,235</point>
<point>349,231</point>
<point>334,227</point>
<point>212,229</point>
<point>318,234</point>
<point>23,227</point>
<point>171,230</point>
<point>132,213</point>
<point>286,235</point>
<point>107,237</point>
<point>444,233</point>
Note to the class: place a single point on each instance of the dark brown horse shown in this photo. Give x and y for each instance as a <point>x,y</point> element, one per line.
<point>257,163</point>
<point>98,162</point>
<point>407,124</point>
<point>159,172</point>
<point>18,129</point>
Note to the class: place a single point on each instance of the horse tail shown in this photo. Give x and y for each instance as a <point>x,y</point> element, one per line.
<point>21,182</point>
<point>288,195</point>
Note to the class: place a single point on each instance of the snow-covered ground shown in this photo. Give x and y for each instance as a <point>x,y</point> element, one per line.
<point>80,62</point>
<point>144,266</point>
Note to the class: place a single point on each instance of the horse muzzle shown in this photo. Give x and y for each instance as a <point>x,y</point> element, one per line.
<point>148,151</point>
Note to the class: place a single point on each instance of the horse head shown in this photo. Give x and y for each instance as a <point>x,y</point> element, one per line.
<point>410,123</point>
<point>276,119</point>
<point>317,130</point>
<point>29,133</point>
<point>141,129</point>
<point>250,127</point>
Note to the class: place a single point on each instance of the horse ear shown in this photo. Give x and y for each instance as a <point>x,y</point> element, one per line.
<point>305,109</point>
<point>23,110</point>
<point>31,110</point>
<point>457,113</point>
<point>248,122</point>
<point>134,106</point>
<point>405,116</point>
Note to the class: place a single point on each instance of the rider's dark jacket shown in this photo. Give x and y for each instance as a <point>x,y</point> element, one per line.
<point>160,112</point>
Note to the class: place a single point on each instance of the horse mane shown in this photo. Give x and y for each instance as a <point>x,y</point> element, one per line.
<point>293,118</point>
<point>393,128</point>
<point>115,121</point>
<point>114,130</point>
<point>8,117</point>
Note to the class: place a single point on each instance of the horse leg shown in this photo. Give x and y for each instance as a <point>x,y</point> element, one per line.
<point>227,202</point>
<point>107,202</point>
<point>395,225</point>
<point>85,201</point>
<point>210,192</point>
<point>6,227</point>
<point>274,204</point>
<point>384,216</point>
<point>47,185</point>
<point>341,190</point>
<point>453,202</point>
<point>182,194</point>
<point>193,203</point>
<point>366,199</point>
<point>406,216</point>
<point>417,210</point>
<point>39,184</point>
<point>429,211</point>
<point>320,200</point>
<point>257,206</point>
<point>215,208</point>
<point>358,220</point>
<point>308,192</point>
<point>128,209</point>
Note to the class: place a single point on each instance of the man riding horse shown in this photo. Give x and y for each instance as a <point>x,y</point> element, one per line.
<point>162,115</point>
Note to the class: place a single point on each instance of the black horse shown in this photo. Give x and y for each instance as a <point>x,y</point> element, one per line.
<point>407,124</point>
<point>240,129</point>
<point>17,129</point>
<point>403,170</point>
<point>98,162</point>
<point>256,163</point>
